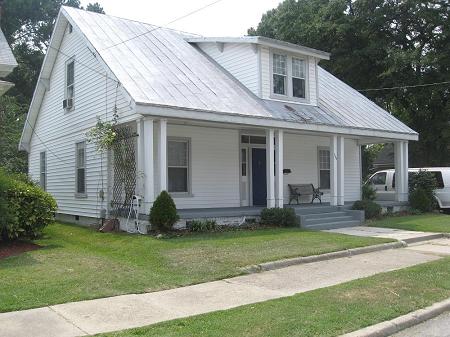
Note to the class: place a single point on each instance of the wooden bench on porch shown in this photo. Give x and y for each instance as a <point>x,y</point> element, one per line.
<point>299,190</point>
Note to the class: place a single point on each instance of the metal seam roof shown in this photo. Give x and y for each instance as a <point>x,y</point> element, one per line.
<point>161,68</point>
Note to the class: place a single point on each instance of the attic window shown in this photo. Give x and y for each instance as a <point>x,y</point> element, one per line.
<point>70,29</point>
<point>279,74</point>
<point>70,79</point>
<point>298,78</point>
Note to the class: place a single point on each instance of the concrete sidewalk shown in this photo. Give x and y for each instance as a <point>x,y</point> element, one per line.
<point>128,311</point>
<point>387,233</point>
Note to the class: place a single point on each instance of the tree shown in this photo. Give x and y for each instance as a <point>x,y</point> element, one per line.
<point>95,7</point>
<point>12,116</point>
<point>377,44</point>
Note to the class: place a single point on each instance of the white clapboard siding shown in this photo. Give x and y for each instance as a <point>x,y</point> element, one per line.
<point>59,130</point>
<point>239,59</point>
<point>300,155</point>
<point>214,166</point>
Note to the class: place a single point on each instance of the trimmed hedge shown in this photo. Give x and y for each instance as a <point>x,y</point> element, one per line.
<point>25,208</point>
<point>370,208</point>
<point>163,214</point>
<point>283,217</point>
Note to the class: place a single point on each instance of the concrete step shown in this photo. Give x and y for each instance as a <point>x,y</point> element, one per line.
<point>333,225</point>
<point>316,210</point>
<point>324,215</point>
<point>318,221</point>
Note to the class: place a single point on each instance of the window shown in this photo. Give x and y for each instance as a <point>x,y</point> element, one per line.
<point>244,162</point>
<point>298,78</point>
<point>70,79</point>
<point>178,165</point>
<point>437,176</point>
<point>80,168</point>
<point>43,171</point>
<point>279,74</point>
<point>324,169</point>
<point>379,179</point>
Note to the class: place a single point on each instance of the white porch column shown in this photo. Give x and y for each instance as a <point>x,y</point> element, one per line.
<point>149,177</point>
<point>333,170</point>
<point>401,171</point>
<point>140,158</point>
<point>270,148</point>
<point>340,170</point>
<point>162,155</point>
<point>279,201</point>
<point>406,168</point>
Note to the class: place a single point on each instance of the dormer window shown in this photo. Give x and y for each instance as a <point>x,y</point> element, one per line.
<point>298,78</point>
<point>279,74</point>
<point>288,77</point>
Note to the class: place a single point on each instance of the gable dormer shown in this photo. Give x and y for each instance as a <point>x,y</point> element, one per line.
<point>271,69</point>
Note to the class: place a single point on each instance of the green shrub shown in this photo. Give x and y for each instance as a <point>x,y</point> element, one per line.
<point>421,191</point>
<point>283,217</point>
<point>26,209</point>
<point>368,192</point>
<point>163,214</point>
<point>202,225</point>
<point>420,199</point>
<point>371,209</point>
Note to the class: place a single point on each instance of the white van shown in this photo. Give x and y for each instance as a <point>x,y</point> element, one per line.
<point>384,184</point>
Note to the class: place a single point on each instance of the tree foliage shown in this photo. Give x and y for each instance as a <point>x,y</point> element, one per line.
<point>377,44</point>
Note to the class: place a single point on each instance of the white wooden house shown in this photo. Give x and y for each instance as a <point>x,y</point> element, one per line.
<point>217,120</point>
<point>7,63</point>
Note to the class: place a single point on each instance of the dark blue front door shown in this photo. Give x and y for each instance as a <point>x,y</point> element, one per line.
<point>259,177</point>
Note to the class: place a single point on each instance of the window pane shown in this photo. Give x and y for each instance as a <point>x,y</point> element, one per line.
<point>298,87</point>
<point>279,64</point>
<point>324,159</point>
<point>298,68</point>
<point>379,178</point>
<point>70,73</point>
<point>279,84</point>
<point>258,140</point>
<point>177,155</point>
<point>81,180</point>
<point>80,157</point>
<point>42,162</point>
<point>324,179</point>
<point>70,92</point>
<point>244,169</point>
<point>42,181</point>
<point>245,139</point>
<point>439,180</point>
<point>178,179</point>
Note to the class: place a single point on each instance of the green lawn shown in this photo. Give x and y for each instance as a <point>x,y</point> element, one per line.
<point>78,263</point>
<point>432,222</point>
<point>324,312</point>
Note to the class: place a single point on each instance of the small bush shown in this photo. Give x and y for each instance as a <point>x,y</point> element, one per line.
<point>283,217</point>
<point>202,225</point>
<point>163,214</point>
<point>420,199</point>
<point>370,208</point>
<point>421,191</point>
<point>368,192</point>
<point>25,208</point>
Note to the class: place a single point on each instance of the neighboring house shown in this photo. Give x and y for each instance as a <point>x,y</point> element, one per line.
<point>215,121</point>
<point>7,63</point>
<point>385,158</point>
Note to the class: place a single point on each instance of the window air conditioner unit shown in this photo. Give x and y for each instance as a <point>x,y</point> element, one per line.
<point>68,103</point>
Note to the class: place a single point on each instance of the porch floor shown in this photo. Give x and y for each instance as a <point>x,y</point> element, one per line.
<point>250,210</point>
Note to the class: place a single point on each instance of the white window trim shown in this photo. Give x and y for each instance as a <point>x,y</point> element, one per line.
<point>78,194</point>
<point>66,96</point>
<point>319,148</point>
<point>188,193</point>
<point>289,89</point>
<point>44,172</point>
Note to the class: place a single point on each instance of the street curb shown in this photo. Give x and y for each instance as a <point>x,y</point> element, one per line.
<point>426,238</point>
<point>400,323</point>
<point>322,257</point>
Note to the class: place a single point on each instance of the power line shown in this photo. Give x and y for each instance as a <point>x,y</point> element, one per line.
<point>407,86</point>
<point>163,26</point>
